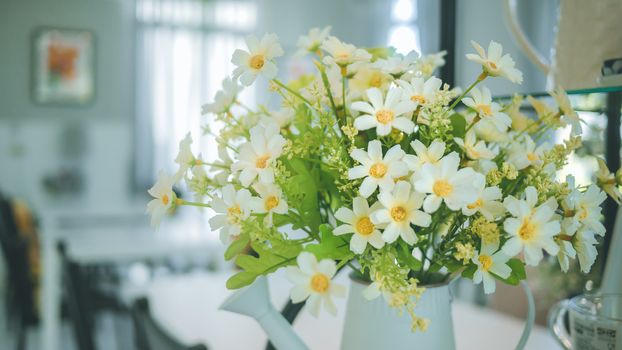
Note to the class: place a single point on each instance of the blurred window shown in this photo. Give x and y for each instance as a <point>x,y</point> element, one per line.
<point>184,48</point>
<point>404,29</point>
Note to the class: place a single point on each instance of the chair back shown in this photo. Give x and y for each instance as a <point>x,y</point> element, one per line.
<point>148,333</point>
<point>77,301</point>
<point>20,296</point>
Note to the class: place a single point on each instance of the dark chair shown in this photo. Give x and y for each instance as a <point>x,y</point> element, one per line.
<point>149,335</point>
<point>77,301</point>
<point>20,302</point>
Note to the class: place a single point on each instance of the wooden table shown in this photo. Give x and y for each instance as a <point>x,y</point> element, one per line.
<point>103,244</point>
<point>187,306</point>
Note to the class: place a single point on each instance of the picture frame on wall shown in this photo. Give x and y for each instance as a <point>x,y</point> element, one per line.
<point>63,66</point>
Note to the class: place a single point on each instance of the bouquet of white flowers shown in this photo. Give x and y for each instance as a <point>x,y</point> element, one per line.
<point>374,163</point>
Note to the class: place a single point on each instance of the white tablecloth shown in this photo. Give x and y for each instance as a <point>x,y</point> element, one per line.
<point>187,306</point>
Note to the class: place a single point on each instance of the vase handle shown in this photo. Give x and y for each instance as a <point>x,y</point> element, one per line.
<point>556,324</point>
<point>531,316</point>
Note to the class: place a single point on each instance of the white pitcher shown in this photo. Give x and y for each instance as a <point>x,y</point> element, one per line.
<point>366,320</point>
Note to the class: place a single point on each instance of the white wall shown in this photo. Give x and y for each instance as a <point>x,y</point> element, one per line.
<point>32,137</point>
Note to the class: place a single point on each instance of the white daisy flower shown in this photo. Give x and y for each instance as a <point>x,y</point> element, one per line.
<point>427,64</point>
<point>565,107</point>
<point>424,155</point>
<point>357,220</point>
<point>566,252</point>
<point>259,59</point>
<point>224,98</point>
<point>222,168</point>
<point>489,261</point>
<point>231,209</point>
<point>532,228</point>
<point>270,201</point>
<point>343,54</point>
<point>606,180</point>
<point>257,156</point>
<point>376,169</point>
<point>583,208</point>
<point>164,198</point>
<point>488,111</point>
<point>312,41</point>
<point>495,63</point>
<point>475,149</point>
<point>487,202</point>
<point>398,64</point>
<point>584,242</point>
<point>400,210</point>
<point>185,158</point>
<point>313,281</point>
<point>420,91</point>
<point>525,153</point>
<point>445,183</point>
<point>384,115</point>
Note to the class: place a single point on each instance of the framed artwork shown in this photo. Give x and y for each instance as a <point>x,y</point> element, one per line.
<point>63,66</point>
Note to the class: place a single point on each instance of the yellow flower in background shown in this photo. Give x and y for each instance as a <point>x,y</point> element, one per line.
<point>313,282</point>
<point>258,60</point>
<point>607,181</point>
<point>495,63</point>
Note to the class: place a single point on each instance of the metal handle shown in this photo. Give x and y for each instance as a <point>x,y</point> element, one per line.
<point>531,316</point>
<point>556,324</point>
<point>511,18</point>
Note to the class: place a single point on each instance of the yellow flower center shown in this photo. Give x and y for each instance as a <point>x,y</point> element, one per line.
<point>257,61</point>
<point>398,213</point>
<point>527,231</point>
<point>486,261</point>
<point>477,204</point>
<point>491,65</point>
<point>583,212</point>
<point>271,202</point>
<point>442,188</point>
<point>484,110</point>
<point>320,283</point>
<point>262,161</point>
<point>418,98</point>
<point>375,80</point>
<point>165,199</point>
<point>234,210</point>
<point>532,156</point>
<point>385,116</point>
<point>378,170</point>
<point>364,226</point>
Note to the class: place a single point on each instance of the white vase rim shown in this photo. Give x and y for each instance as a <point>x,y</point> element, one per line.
<point>354,278</point>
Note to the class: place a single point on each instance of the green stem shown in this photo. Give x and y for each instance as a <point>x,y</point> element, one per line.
<point>194,204</point>
<point>291,91</point>
<point>343,93</point>
<point>480,78</point>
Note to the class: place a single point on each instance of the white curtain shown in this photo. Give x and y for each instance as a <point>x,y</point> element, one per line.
<point>183,54</point>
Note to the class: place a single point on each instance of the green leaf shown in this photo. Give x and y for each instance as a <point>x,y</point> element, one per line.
<point>469,271</point>
<point>518,272</point>
<point>404,255</point>
<point>458,125</point>
<point>306,183</point>
<point>330,246</point>
<point>237,246</point>
<point>269,259</point>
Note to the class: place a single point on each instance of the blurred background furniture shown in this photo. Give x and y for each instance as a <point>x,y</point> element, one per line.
<point>149,335</point>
